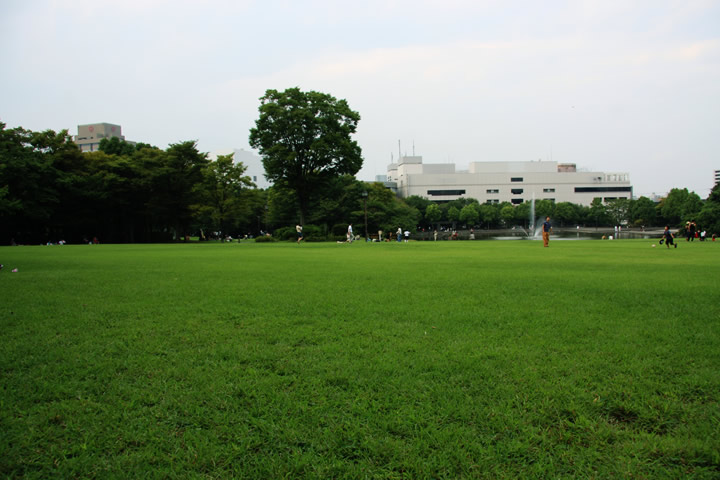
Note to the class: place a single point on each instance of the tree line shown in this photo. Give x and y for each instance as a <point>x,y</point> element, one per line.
<point>675,209</point>
<point>123,193</point>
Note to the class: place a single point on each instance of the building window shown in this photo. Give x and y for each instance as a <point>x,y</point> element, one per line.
<point>491,190</point>
<point>602,189</point>
<point>492,200</point>
<point>517,201</point>
<point>516,179</point>
<point>548,190</point>
<point>254,178</point>
<point>445,192</point>
<point>516,191</point>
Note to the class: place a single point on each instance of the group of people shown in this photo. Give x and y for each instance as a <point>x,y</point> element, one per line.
<point>692,232</point>
<point>401,235</point>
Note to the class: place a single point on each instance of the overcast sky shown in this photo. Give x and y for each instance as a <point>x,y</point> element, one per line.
<point>627,86</point>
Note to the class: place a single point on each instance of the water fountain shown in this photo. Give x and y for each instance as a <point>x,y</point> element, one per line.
<point>534,224</point>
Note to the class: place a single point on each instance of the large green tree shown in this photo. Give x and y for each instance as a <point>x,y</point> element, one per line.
<point>433,214</point>
<point>597,212</point>
<point>183,169</point>
<point>565,213</point>
<point>643,212</point>
<point>469,215</point>
<point>680,206</point>
<point>709,216</point>
<point>488,214</point>
<point>618,209</point>
<point>304,139</point>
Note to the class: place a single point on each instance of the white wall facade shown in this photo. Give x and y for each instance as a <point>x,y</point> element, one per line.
<point>255,169</point>
<point>513,182</point>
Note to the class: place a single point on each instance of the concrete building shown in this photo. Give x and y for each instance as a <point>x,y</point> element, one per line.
<point>89,136</point>
<point>255,169</point>
<point>717,177</point>
<point>513,182</point>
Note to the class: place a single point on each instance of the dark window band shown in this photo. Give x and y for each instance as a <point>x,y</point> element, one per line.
<point>446,192</point>
<point>602,189</point>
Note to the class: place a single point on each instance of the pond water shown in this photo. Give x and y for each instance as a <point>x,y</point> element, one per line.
<point>558,234</point>
<point>573,235</point>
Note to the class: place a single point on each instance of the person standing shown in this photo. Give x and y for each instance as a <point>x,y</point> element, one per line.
<point>669,237</point>
<point>298,229</point>
<point>693,229</point>
<point>398,235</point>
<point>546,230</point>
<point>350,236</point>
<point>407,235</point>
<point>435,235</point>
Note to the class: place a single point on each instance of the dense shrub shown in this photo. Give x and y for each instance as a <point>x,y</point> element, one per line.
<point>340,229</point>
<point>311,233</point>
<point>285,233</point>
<point>265,238</point>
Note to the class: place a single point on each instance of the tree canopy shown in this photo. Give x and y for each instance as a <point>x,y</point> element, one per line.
<point>305,141</point>
<point>50,190</point>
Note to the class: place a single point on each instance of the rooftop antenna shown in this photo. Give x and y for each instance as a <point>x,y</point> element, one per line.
<point>399,150</point>
<point>413,148</point>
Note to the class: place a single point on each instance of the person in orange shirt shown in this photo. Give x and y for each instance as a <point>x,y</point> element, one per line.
<point>546,230</point>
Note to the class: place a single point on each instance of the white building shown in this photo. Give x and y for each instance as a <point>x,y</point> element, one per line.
<point>514,182</point>
<point>255,169</point>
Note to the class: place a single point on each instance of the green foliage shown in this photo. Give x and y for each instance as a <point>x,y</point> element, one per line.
<point>598,212</point>
<point>618,210</point>
<point>245,360</point>
<point>643,212</point>
<point>507,214</point>
<point>433,213</point>
<point>453,214</point>
<point>709,215</point>
<point>566,213</point>
<point>469,215</point>
<point>223,196</point>
<point>49,191</point>
<point>488,214</point>
<point>679,206</point>
<point>311,233</point>
<point>116,146</point>
<point>304,139</point>
<point>420,204</point>
<point>544,208</point>
<point>522,214</point>
<point>265,239</point>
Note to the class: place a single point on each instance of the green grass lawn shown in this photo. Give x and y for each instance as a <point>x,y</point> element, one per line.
<point>486,359</point>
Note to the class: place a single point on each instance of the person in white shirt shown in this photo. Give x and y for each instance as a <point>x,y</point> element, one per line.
<point>350,236</point>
